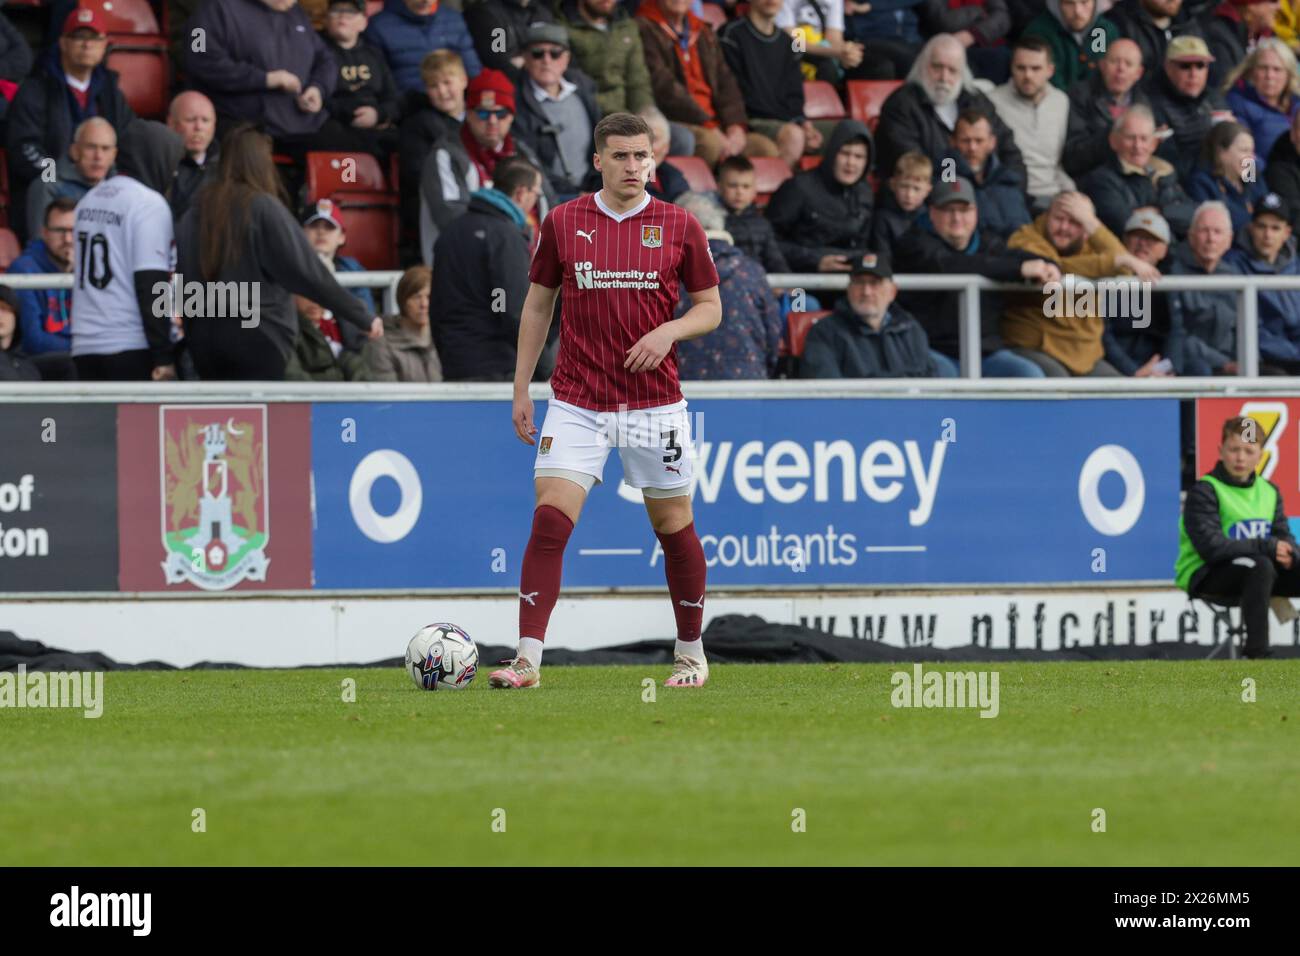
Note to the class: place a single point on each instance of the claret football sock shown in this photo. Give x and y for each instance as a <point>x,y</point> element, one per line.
<point>539,580</point>
<point>685,570</point>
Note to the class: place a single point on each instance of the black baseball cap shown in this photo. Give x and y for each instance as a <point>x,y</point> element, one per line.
<point>1273,205</point>
<point>358,5</point>
<point>871,264</point>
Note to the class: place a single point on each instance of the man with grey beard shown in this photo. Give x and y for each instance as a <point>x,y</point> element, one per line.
<point>921,114</point>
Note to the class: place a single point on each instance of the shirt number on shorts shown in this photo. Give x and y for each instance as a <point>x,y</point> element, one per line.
<point>671,445</point>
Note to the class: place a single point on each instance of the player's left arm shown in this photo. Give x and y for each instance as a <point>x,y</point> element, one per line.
<point>704,315</point>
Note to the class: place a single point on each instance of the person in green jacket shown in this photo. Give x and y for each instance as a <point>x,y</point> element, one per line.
<point>606,45</point>
<point>319,355</point>
<point>1079,38</point>
<point>1235,542</point>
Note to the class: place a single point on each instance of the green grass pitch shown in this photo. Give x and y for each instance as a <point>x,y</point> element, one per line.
<point>586,772</point>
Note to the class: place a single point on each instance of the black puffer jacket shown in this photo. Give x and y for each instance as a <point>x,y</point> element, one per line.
<point>1283,174</point>
<point>752,234</point>
<point>1090,123</point>
<point>513,18</point>
<point>843,346</point>
<point>908,121</point>
<point>15,366</point>
<point>1205,526</point>
<point>815,215</point>
<point>1188,116</point>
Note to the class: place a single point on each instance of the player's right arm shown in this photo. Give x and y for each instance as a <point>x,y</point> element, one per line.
<point>534,324</point>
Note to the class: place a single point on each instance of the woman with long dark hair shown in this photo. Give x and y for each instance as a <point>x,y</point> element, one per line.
<point>240,230</point>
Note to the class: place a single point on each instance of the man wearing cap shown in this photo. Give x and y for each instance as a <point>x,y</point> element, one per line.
<point>1267,247</point>
<point>325,232</point>
<point>1136,345</point>
<point>868,335</point>
<point>1134,177</point>
<point>557,111</point>
<point>1151,24</point>
<point>947,238</point>
<point>500,29</point>
<point>1184,103</point>
<point>1061,332</point>
<point>69,85</point>
<point>462,163</point>
<point>1232,29</point>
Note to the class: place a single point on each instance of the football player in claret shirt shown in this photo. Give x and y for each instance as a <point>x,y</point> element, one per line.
<point>620,256</point>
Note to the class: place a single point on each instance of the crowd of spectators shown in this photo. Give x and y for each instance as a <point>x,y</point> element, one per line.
<point>1024,141</point>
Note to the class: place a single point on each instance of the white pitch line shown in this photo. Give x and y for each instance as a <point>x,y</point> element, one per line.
<point>611,550</point>
<point>894,547</point>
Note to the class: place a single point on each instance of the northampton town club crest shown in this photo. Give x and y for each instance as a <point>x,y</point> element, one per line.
<point>215,519</point>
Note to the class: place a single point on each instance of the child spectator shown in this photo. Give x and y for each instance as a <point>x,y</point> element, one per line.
<point>750,231</point>
<point>430,114</point>
<point>14,365</point>
<point>902,201</point>
<point>365,98</point>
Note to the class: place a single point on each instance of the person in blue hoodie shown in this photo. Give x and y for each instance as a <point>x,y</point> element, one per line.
<point>999,188</point>
<point>1228,173</point>
<point>70,84</point>
<point>1267,247</point>
<point>45,315</point>
<point>406,30</point>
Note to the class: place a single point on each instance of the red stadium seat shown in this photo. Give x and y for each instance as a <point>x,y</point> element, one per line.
<point>820,101</point>
<point>131,17</point>
<point>143,72</point>
<point>698,175</point>
<point>9,249</point>
<point>798,325</point>
<point>810,162</point>
<point>866,97</point>
<point>769,174</point>
<point>713,15</point>
<point>369,210</point>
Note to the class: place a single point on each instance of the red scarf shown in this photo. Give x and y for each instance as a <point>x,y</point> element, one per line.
<point>485,160</point>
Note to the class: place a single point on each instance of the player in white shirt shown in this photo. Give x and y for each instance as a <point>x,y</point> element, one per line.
<point>124,246</point>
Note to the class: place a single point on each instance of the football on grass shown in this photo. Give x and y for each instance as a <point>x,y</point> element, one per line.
<point>441,657</point>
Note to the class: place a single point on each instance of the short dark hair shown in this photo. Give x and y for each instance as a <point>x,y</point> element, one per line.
<point>621,124</point>
<point>972,116</point>
<point>1037,44</point>
<point>513,174</point>
<point>735,164</point>
<point>61,204</point>
<point>1245,428</point>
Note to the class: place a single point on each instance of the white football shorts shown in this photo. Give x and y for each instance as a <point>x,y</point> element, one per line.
<point>654,445</point>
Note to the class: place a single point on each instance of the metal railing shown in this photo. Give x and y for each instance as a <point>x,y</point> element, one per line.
<point>970,286</point>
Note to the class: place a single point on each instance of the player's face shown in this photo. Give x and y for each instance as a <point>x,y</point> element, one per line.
<point>95,152</point>
<point>625,165</point>
<point>58,237</point>
<point>738,190</point>
<point>416,309</point>
<point>489,126</point>
<point>325,237</point>
<point>1240,458</point>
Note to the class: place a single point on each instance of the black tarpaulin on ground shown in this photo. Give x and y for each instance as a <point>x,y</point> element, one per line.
<point>729,639</point>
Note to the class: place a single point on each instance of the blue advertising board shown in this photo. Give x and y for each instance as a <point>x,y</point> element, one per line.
<point>795,492</point>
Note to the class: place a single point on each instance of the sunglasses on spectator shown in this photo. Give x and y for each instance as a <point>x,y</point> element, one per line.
<point>486,115</point>
<point>1193,65</point>
<point>552,52</point>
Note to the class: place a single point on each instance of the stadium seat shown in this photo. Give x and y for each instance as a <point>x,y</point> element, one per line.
<point>698,175</point>
<point>369,210</point>
<point>125,17</point>
<point>143,69</point>
<point>769,173</point>
<point>798,325</point>
<point>820,101</point>
<point>713,15</point>
<point>866,97</point>
<point>9,249</point>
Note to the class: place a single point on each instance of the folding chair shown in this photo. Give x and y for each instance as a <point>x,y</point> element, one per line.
<point>1221,609</point>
